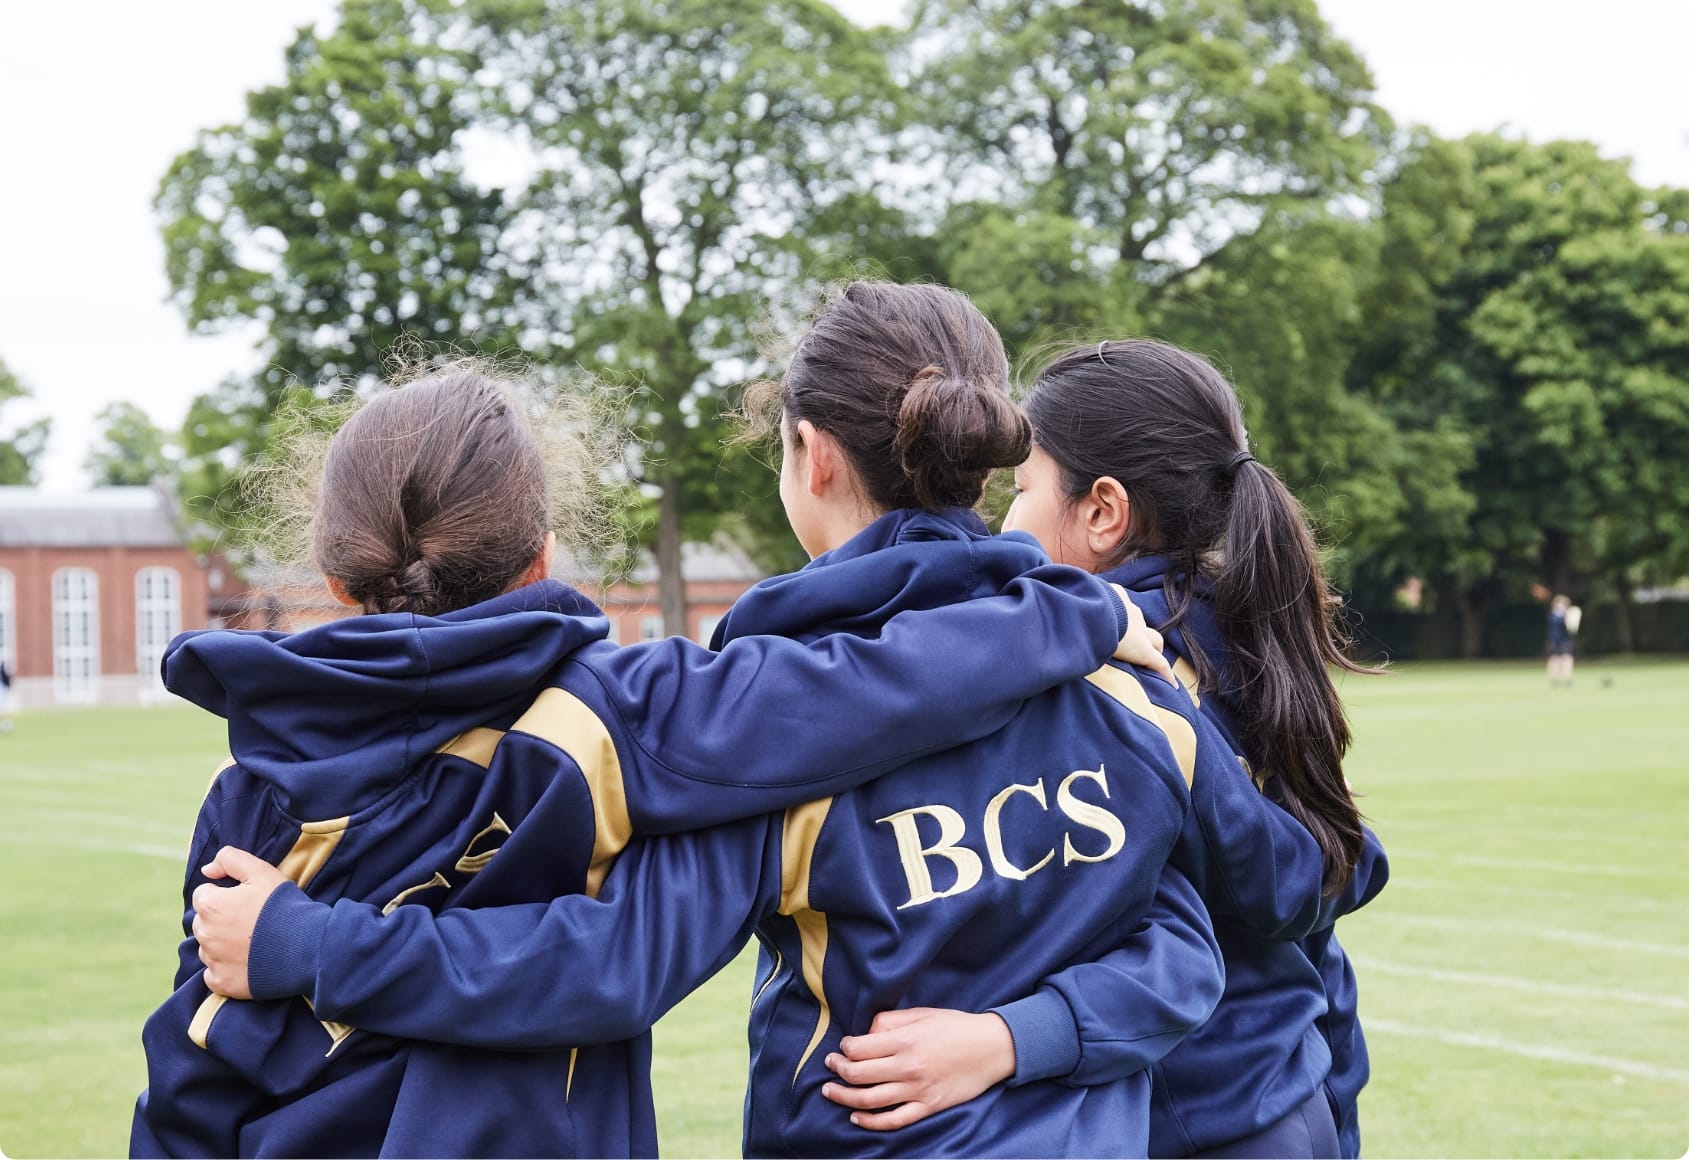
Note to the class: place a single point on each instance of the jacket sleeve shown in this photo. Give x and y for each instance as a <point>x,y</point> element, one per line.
<point>768,723</point>
<point>194,1103</point>
<point>1372,872</point>
<point>1251,861</point>
<point>577,970</point>
<point>1103,1020</point>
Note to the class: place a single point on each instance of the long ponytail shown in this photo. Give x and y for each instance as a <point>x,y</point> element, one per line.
<point>1278,616</point>
<point>1168,427</point>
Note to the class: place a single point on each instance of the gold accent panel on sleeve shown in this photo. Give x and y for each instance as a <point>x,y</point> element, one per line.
<point>475,863</point>
<point>200,1025</point>
<point>566,721</point>
<point>1186,672</point>
<point>309,854</point>
<point>476,745</point>
<point>1124,688</point>
<point>212,784</point>
<point>774,973</point>
<point>797,851</point>
<point>393,903</point>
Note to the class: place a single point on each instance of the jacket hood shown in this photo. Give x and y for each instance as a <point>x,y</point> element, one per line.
<point>903,561</point>
<point>336,715</point>
<point>1145,578</point>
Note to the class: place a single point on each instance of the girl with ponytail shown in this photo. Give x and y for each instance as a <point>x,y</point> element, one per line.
<point>963,875</point>
<point>1141,472</point>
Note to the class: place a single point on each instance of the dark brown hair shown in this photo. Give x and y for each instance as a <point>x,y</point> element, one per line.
<point>433,496</point>
<point>913,382</point>
<point>1168,427</point>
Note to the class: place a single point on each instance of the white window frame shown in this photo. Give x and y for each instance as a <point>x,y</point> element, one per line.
<point>9,622</point>
<point>651,627</point>
<point>76,635</point>
<point>706,629</point>
<point>158,618</point>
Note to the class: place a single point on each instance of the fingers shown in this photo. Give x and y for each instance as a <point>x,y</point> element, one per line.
<point>883,1095</point>
<point>901,1116</point>
<point>231,862</point>
<point>885,1069</point>
<point>898,1017</point>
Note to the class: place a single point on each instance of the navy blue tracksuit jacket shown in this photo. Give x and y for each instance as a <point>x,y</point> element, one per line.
<point>504,754</point>
<point>1287,1022</point>
<point>960,879</point>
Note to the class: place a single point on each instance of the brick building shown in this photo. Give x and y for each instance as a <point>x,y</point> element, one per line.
<point>92,587</point>
<point>716,575</point>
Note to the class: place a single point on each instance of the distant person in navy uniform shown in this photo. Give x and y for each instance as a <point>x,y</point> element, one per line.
<point>5,698</point>
<point>1563,620</point>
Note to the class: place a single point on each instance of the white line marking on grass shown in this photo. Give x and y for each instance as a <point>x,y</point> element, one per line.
<point>1608,901</point>
<point>1606,868</point>
<point>1531,1050</point>
<point>1539,865</point>
<point>1549,933</point>
<point>1529,829</point>
<point>172,853</point>
<point>1510,982</point>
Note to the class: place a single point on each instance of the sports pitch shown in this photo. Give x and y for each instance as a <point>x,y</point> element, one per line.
<point>1524,979</point>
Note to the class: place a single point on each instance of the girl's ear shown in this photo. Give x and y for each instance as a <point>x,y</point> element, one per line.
<point>822,458</point>
<point>541,567</point>
<point>1108,517</point>
<point>338,590</point>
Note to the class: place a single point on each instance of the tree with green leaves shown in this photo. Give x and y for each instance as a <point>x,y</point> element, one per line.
<point>337,216</point>
<point>688,165</point>
<point>1101,151</point>
<point>21,450</point>
<point>130,450</point>
<point>1531,301</point>
<point>669,170</point>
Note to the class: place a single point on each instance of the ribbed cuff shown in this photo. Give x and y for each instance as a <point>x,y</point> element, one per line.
<point>1045,1034</point>
<point>286,944</point>
<point>1122,615</point>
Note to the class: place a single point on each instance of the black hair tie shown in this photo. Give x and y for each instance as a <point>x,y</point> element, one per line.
<point>1238,461</point>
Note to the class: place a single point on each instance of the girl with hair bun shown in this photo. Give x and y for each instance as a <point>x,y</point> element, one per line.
<point>473,740</point>
<point>964,876</point>
<point>1141,472</point>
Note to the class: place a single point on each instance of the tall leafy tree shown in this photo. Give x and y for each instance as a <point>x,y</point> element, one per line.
<point>21,450</point>
<point>1531,301</point>
<point>1124,143</point>
<point>337,216</point>
<point>689,163</point>
<point>130,449</point>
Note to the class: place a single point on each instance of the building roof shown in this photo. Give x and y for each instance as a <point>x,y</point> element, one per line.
<point>716,560</point>
<point>106,517</point>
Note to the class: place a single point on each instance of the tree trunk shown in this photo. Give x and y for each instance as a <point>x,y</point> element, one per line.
<point>1556,561</point>
<point>671,584</point>
<point>1471,606</point>
<point>1624,621</point>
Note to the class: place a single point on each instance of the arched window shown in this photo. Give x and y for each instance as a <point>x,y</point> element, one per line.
<point>158,618</point>
<point>8,622</point>
<point>76,634</point>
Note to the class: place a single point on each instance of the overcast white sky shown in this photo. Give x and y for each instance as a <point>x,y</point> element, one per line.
<point>97,97</point>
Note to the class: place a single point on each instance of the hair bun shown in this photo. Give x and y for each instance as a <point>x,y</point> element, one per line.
<point>952,433</point>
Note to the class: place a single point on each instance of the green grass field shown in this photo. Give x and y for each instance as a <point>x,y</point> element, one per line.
<point>1524,979</point>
